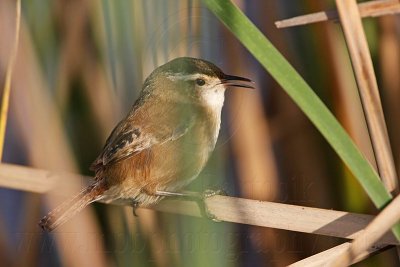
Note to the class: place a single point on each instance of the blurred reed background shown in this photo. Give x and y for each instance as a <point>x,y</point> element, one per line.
<point>80,67</point>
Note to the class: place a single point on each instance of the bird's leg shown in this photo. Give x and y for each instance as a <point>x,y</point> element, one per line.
<point>189,195</point>
<point>135,205</point>
<point>199,198</point>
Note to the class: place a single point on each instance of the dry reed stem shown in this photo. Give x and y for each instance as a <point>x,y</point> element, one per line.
<point>230,209</point>
<point>30,254</point>
<point>73,46</point>
<point>368,88</point>
<point>343,89</point>
<point>251,138</point>
<point>251,143</point>
<point>323,258</point>
<point>367,9</point>
<point>372,233</point>
<point>5,101</point>
<point>389,59</point>
<point>6,255</point>
<point>150,224</point>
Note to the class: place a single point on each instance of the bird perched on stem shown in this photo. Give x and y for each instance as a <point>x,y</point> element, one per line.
<point>164,141</point>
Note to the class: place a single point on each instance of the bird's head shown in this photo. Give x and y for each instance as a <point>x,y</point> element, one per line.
<point>195,81</point>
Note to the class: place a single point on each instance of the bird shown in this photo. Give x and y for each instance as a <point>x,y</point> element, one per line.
<point>164,141</point>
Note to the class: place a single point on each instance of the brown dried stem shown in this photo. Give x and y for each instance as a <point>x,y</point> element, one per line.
<point>372,233</point>
<point>7,83</point>
<point>368,88</point>
<point>323,258</point>
<point>367,9</point>
<point>238,210</point>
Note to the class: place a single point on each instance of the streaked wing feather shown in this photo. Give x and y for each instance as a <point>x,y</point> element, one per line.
<point>126,141</point>
<point>124,145</point>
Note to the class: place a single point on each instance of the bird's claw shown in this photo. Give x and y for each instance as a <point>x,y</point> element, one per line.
<point>204,209</point>
<point>210,193</point>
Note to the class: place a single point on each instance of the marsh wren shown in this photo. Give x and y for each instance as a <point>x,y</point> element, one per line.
<point>164,141</point>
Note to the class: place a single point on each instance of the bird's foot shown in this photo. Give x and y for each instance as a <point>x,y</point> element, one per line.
<point>199,198</point>
<point>203,205</point>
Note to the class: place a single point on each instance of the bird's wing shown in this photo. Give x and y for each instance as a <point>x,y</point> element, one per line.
<point>128,139</point>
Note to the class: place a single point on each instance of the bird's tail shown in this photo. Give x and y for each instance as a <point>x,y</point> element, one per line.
<point>69,208</point>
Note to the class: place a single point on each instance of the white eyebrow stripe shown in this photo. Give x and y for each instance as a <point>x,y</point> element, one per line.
<point>184,77</point>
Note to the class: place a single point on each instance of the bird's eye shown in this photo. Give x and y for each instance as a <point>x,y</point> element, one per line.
<point>200,82</point>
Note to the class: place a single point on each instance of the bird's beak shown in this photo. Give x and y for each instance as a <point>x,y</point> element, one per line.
<point>236,81</point>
